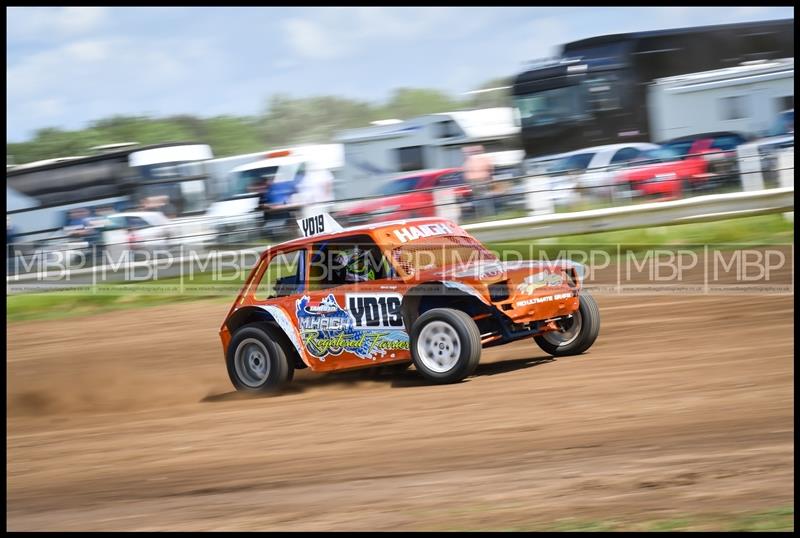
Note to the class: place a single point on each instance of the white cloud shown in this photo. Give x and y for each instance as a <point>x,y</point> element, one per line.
<point>89,78</point>
<point>66,66</point>
<point>543,36</point>
<point>337,32</point>
<point>312,40</point>
<point>42,24</point>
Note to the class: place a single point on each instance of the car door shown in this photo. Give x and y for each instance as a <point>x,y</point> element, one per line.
<point>593,176</point>
<point>604,180</point>
<point>345,324</point>
<point>417,202</point>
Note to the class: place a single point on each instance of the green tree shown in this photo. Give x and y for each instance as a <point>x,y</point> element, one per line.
<point>285,121</point>
<point>406,103</point>
<point>498,96</point>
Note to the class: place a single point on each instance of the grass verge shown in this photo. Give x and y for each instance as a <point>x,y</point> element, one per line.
<point>762,230</point>
<point>777,519</point>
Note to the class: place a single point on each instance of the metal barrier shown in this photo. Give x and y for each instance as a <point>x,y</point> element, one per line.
<point>698,209</point>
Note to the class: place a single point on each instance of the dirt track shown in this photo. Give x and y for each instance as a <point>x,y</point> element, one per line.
<point>684,406</point>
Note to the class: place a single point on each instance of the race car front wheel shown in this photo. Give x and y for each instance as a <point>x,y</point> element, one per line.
<point>256,361</point>
<point>578,333</point>
<point>445,345</point>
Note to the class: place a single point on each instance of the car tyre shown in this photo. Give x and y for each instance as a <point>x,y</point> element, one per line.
<point>256,360</point>
<point>445,345</point>
<point>578,336</point>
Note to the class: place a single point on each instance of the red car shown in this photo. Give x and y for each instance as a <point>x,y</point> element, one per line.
<point>406,197</point>
<point>682,165</point>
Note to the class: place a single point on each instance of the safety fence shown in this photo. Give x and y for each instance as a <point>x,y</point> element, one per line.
<point>166,264</point>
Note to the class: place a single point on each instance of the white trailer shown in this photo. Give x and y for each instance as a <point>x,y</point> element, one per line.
<point>219,171</point>
<point>373,154</point>
<point>745,99</point>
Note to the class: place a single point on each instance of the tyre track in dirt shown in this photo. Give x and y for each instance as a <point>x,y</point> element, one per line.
<point>684,405</point>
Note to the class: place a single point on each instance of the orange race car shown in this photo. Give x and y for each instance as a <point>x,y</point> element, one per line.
<point>419,291</point>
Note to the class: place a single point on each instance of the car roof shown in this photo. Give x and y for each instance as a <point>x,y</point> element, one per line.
<point>772,140</point>
<point>373,229</point>
<point>700,136</point>
<point>426,172</point>
<point>612,147</point>
<point>271,162</point>
<point>597,149</point>
<point>142,214</point>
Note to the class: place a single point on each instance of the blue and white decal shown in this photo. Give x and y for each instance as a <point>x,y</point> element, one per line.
<point>370,328</point>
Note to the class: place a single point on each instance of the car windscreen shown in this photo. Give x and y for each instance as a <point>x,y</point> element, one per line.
<point>399,186</point>
<point>442,251</point>
<point>573,163</point>
<point>659,155</point>
<point>681,147</point>
<point>547,107</point>
<point>253,180</point>
<point>727,142</point>
<point>117,223</point>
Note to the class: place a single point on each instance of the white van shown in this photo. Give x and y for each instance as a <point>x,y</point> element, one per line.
<point>301,177</point>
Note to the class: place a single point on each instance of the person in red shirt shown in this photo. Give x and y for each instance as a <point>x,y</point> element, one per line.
<point>478,169</point>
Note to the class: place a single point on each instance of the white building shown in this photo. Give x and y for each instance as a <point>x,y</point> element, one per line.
<point>745,99</point>
<point>433,141</point>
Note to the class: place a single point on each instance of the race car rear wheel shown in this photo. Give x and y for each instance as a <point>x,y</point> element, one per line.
<point>579,332</point>
<point>445,345</point>
<point>256,361</point>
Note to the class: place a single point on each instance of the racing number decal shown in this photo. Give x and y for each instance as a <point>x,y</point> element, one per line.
<point>369,326</point>
<point>313,225</point>
<point>370,310</point>
<point>317,224</point>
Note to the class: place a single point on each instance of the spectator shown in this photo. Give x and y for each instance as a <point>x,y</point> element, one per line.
<point>168,208</point>
<point>78,223</point>
<point>262,188</point>
<point>102,214</point>
<point>478,175</point>
<point>133,243</point>
<point>11,240</point>
<point>100,223</point>
<point>81,226</point>
<point>314,187</point>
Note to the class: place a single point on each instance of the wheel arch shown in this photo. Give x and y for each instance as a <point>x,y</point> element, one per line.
<point>274,317</point>
<point>442,294</point>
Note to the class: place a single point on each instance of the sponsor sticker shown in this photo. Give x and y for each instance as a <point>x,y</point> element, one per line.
<point>369,328</point>
<point>539,280</point>
<point>545,299</point>
<point>410,233</point>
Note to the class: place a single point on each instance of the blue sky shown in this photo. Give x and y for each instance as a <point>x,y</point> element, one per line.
<point>68,66</point>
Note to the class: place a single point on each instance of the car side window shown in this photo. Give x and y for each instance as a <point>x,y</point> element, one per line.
<point>347,261</point>
<point>137,222</point>
<point>726,143</point>
<point>283,276</point>
<point>624,155</point>
<point>452,179</point>
<point>117,223</point>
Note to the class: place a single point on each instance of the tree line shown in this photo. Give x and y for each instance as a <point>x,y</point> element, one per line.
<point>285,121</point>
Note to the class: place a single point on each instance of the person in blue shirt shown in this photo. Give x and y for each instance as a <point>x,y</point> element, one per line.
<point>81,226</point>
<point>11,251</point>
